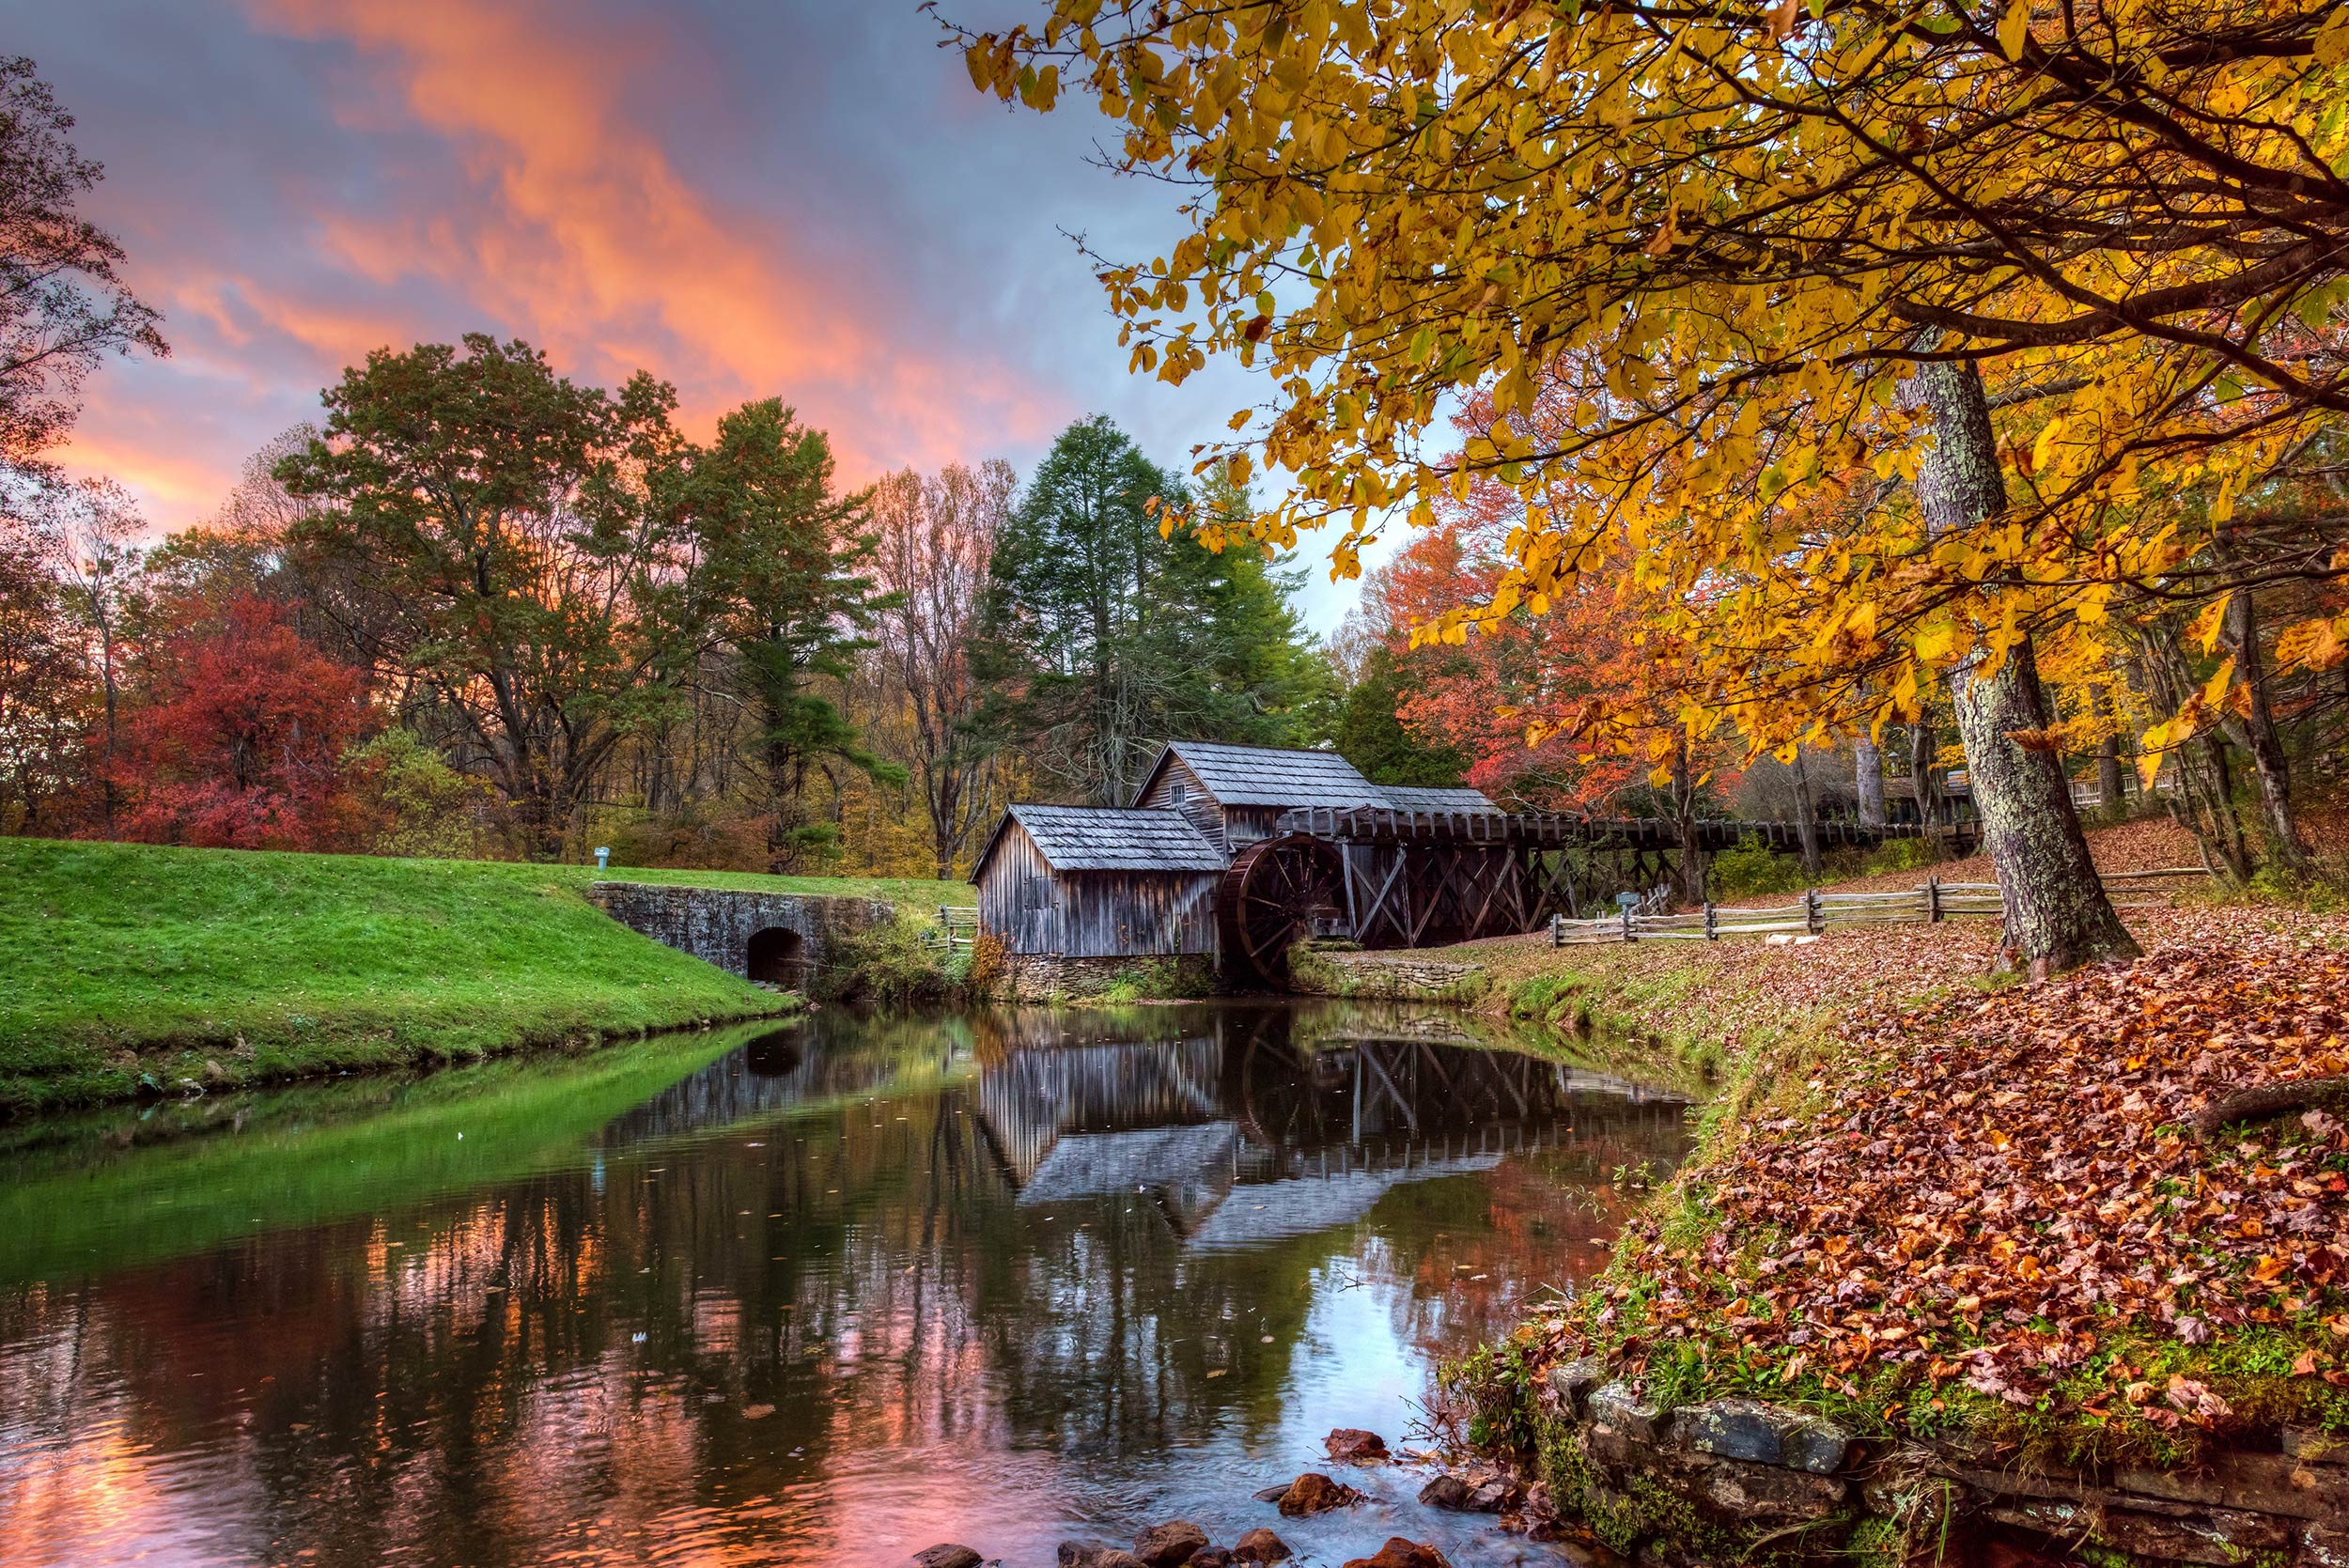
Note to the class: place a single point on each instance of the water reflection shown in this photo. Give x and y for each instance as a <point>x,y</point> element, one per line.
<point>826,1296</point>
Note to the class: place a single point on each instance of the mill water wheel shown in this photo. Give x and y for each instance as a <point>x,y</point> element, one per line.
<point>1278,893</point>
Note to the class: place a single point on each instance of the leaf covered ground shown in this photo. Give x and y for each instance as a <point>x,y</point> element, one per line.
<point>1992,1210</point>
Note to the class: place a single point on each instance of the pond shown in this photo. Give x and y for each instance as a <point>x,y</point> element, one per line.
<point>828,1293</point>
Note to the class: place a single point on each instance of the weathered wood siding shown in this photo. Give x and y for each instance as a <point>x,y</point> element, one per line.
<point>1111,914</point>
<point>1245,825</point>
<point>1093,914</point>
<point>1199,802</point>
<point>1016,893</point>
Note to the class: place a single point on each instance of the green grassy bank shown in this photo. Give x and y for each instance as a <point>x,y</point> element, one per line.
<point>130,969</point>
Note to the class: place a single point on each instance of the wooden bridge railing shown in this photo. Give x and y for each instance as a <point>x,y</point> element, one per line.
<point>1558,830</point>
<point>1816,912</point>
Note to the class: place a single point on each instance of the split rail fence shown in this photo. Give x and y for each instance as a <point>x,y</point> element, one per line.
<point>1816,912</point>
<point>958,928</point>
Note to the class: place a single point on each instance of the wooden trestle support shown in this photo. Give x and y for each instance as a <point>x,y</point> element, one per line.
<point>1388,877</point>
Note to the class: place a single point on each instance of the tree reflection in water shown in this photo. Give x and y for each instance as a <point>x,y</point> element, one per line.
<point>829,1297</point>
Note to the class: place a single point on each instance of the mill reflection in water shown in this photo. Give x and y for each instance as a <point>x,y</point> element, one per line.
<point>827,1296</point>
<point>1314,1112</point>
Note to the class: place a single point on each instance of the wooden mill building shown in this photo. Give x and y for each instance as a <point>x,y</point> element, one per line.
<point>1098,882</point>
<point>1103,883</point>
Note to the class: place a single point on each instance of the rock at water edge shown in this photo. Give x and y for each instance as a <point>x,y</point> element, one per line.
<point>1078,1553</point>
<point>1761,1433</point>
<point>1399,1553</point>
<point>948,1555</point>
<point>1260,1546</point>
<point>1169,1544</point>
<point>1445,1491</point>
<point>1312,1493</point>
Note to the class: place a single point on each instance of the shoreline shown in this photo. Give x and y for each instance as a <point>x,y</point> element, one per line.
<point>136,971</point>
<point>1645,1405</point>
<point>247,1070</point>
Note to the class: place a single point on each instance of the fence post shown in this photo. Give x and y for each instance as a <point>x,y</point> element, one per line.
<point>1628,934</point>
<point>1710,934</point>
<point>1812,916</point>
<point>1557,930</point>
<point>1933,900</point>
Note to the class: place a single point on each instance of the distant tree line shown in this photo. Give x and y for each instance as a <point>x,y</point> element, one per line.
<point>480,608</point>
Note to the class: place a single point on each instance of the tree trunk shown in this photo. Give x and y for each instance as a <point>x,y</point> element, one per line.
<point>2212,783</point>
<point>2056,915</point>
<point>1692,866</point>
<point>2112,789</point>
<point>1806,817</point>
<point>2202,798</point>
<point>1923,778</point>
<point>2255,732</point>
<point>1870,781</point>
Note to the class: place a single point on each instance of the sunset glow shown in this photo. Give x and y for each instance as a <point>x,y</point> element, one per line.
<point>805,201</point>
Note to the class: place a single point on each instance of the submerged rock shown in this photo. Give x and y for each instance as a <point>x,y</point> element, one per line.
<point>1079,1554</point>
<point>1399,1553</point>
<point>1169,1544</point>
<point>1487,1496</point>
<point>1260,1546</point>
<point>1313,1493</point>
<point>1208,1557</point>
<point>948,1555</point>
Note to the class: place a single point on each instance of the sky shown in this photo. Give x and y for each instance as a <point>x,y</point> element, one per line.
<point>802,198</point>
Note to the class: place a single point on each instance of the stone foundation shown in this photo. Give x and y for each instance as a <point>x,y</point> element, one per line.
<point>1046,976</point>
<point>716,924</point>
<point>1716,1481</point>
<point>1400,975</point>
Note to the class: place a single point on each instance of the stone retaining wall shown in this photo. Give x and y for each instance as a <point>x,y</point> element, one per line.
<point>716,924</point>
<point>1718,1481</point>
<point>1044,977</point>
<point>1400,975</point>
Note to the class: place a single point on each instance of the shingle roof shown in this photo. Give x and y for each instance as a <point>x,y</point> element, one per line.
<point>1265,776</point>
<point>1403,799</point>
<point>1275,776</point>
<point>1115,838</point>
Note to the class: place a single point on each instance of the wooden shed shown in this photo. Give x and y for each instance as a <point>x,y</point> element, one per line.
<point>1099,882</point>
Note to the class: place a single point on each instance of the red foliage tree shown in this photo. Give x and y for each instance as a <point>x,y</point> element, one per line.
<point>1562,706</point>
<point>1579,704</point>
<point>242,744</point>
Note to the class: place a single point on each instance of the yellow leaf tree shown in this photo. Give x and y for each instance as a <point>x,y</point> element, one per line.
<point>2030,271</point>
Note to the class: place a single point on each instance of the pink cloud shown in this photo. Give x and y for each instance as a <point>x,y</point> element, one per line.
<point>576,229</point>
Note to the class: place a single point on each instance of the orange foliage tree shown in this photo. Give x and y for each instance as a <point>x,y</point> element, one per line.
<point>1576,707</point>
<point>1769,244</point>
